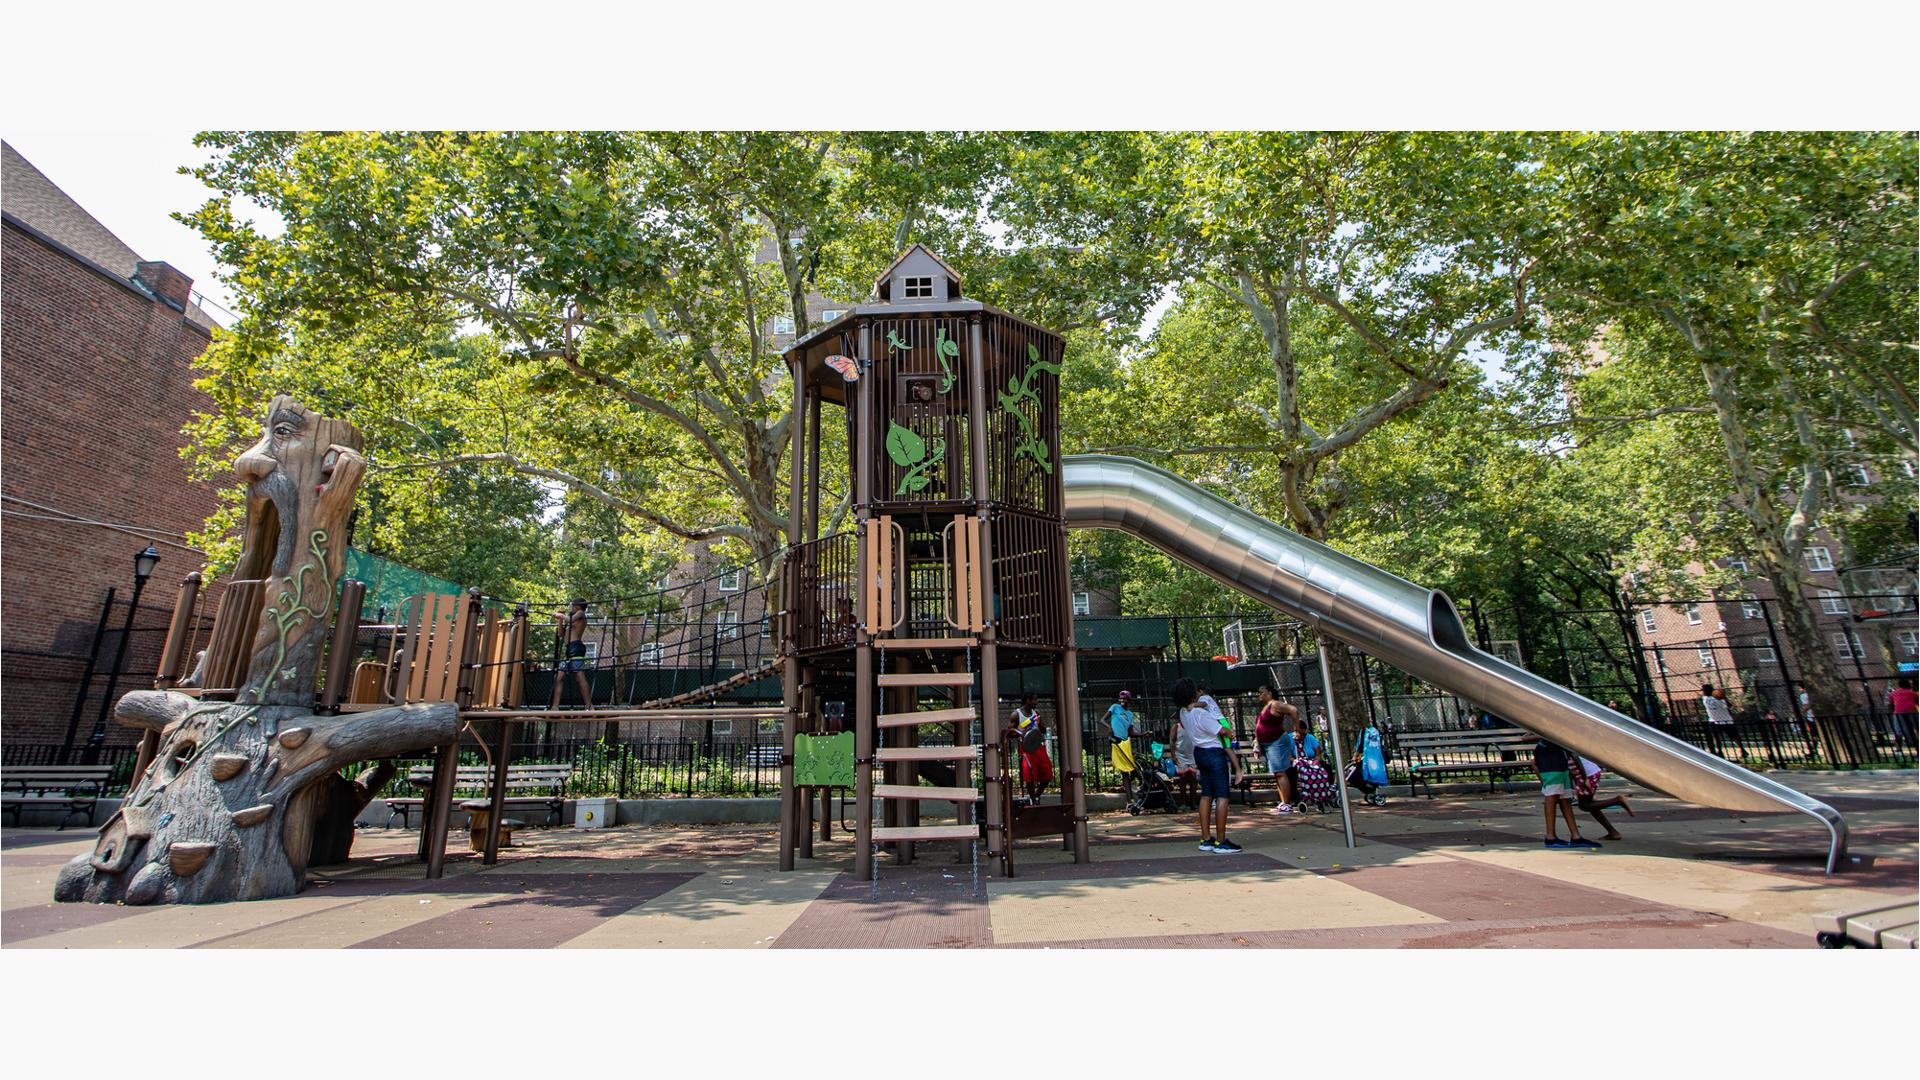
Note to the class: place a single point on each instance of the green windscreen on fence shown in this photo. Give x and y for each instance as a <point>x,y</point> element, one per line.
<point>389,584</point>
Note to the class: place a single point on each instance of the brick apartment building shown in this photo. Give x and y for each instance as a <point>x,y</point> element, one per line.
<point>96,348</point>
<point>1735,643</point>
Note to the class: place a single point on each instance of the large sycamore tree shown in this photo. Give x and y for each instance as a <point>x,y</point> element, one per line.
<point>1370,268</point>
<point>1764,283</point>
<point>616,295</point>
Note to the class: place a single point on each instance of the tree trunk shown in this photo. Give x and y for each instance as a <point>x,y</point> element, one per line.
<point>1777,551</point>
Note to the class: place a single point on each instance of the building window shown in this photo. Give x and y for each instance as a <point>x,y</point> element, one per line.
<point>1832,602</point>
<point>1857,476</point>
<point>1818,559</point>
<point>1693,614</point>
<point>1082,604</point>
<point>730,581</point>
<point>1847,644</point>
<point>1647,622</point>
<point>1705,653</point>
<point>1764,654</point>
<point>729,626</point>
<point>722,726</point>
<point>783,324</point>
<point>1910,643</point>
<point>649,654</point>
<point>593,653</point>
<point>1736,562</point>
<point>916,288</point>
<point>1750,608</point>
<point>1660,663</point>
<point>830,314</point>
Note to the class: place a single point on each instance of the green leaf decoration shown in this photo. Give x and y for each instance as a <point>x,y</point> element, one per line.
<point>1033,352</point>
<point>895,344</point>
<point>918,482</point>
<point>905,447</point>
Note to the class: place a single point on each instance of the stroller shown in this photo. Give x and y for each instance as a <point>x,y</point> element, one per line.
<point>1312,786</point>
<point>1369,791</point>
<point>1367,772</point>
<point>1155,790</point>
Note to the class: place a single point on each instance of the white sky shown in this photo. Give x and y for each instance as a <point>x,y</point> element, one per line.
<point>129,180</point>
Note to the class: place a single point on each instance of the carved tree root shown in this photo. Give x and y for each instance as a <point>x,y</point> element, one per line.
<point>228,809</point>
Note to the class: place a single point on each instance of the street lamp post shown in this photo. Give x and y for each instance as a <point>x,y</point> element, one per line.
<point>143,564</point>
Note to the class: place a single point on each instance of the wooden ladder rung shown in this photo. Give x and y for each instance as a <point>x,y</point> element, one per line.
<point>927,678</point>
<point>930,716</point>
<point>916,791</point>
<point>926,643</point>
<point>927,753</point>
<point>927,832</point>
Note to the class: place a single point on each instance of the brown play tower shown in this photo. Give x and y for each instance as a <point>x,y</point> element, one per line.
<point>954,570</point>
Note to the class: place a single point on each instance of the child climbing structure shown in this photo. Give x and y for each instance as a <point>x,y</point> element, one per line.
<point>954,571</point>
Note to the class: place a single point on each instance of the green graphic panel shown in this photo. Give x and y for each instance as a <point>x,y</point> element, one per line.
<point>823,760</point>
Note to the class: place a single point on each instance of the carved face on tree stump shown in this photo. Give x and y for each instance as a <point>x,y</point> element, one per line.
<point>226,810</point>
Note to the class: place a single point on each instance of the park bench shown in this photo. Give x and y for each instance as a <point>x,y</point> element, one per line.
<point>72,788</point>
<point>1499,753</point>
<point>1254,777</point>
<point>763,757</point>
<point>541,787</point>
<point>1883,926</point>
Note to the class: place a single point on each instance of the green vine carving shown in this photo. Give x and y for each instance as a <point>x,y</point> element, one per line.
<point>894,344</point>
<point>292,598</point>
<point>1019,392</point>
<point>909,451</point>
<point>944,347</point>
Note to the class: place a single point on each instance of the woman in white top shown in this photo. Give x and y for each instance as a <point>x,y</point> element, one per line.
<point>1217,768</point>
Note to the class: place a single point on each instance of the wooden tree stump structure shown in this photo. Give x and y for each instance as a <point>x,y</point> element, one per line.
<point>229,807</point>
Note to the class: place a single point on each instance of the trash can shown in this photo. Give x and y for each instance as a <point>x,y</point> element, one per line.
<point>594,813</point>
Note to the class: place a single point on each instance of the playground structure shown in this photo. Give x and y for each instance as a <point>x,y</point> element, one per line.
<point>955,570</point>
<point>891,636</point>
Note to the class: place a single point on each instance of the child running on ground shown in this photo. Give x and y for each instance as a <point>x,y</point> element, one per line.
<point>1556,789</point>
<point>1586,783</point>
<point>1036,767</point>
<point>1218,771</point>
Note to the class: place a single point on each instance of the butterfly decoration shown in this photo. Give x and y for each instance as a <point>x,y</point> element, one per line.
<point>847,366</point>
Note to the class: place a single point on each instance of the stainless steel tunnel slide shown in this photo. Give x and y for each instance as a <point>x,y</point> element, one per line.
<point>1413,628</point>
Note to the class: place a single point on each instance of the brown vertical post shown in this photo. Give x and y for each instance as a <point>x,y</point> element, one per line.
<point>346,627</point>
<point>517,659</point>
<point>989,647</point>
<point>809,710</point>
<point>813,467</point>
<point>1068,697</point>
<point>498,796</point>
<point>863,722</point>
<point>790,826</point>
<point>439,808</point>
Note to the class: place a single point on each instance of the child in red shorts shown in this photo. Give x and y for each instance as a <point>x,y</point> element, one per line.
<point>1036,767</point>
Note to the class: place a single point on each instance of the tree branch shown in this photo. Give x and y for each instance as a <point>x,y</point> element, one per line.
<point>586,487</point>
